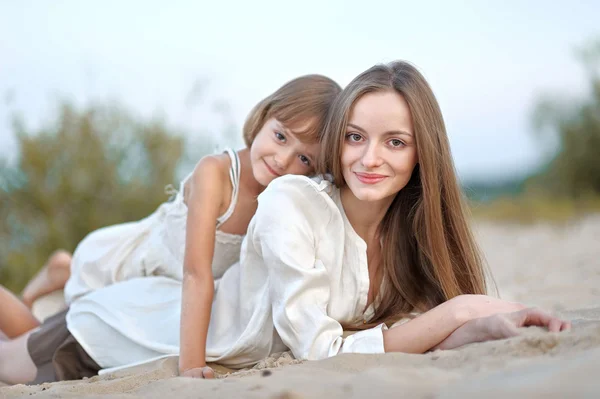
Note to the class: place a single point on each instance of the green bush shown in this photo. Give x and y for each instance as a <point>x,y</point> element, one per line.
<point>574,129</point>
<point>90,168</point>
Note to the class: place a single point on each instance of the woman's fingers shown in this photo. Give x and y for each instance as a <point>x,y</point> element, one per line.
<point>565,326</point>
<point>535,317</point>
<point>507,325</point>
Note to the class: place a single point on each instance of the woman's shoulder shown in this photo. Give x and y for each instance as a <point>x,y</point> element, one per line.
<point>300,186</point>
<point>293,194</point>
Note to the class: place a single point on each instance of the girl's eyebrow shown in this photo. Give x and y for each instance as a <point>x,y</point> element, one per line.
<point>294,136</point>
<point>279,126</point>
<point>388,133</point>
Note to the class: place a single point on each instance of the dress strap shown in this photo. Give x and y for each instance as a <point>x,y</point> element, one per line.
<point>234,176</point>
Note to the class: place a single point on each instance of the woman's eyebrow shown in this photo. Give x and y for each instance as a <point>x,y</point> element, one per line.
<point>388,133</point>
<point>360,129</point>
<point>397,133</point>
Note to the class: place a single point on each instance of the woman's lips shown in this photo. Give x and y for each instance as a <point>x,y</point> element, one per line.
<point>369,178</point>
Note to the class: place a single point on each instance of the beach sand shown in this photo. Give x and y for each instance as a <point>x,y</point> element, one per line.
<point>555,267</point>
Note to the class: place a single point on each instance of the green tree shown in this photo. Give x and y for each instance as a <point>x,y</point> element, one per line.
<point>573,130</point>
<point>90,168</point>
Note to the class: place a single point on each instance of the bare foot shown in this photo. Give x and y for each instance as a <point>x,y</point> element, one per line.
<point>53,276</point>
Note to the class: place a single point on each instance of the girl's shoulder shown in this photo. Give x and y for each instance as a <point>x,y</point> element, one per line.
<point>211,166</point>
<point>208,176</point>
<point>213,162</point>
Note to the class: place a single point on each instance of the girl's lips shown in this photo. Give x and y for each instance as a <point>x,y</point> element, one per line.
<point>369,178</point>
<point>271,169</point>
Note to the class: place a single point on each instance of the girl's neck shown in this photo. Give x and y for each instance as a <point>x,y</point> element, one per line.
<point>247,176</point>
<point>364,216</point>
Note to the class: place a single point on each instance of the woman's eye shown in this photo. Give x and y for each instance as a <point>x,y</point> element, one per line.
<point>305,160</point>
<point>279,136</point>
<point>396,143</point>
<point>354,137</point>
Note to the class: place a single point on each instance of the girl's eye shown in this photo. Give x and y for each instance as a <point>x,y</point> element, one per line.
<point>396,143</point>
<point>304,160</point>
<point>280,136</point>
<point>354,137</point>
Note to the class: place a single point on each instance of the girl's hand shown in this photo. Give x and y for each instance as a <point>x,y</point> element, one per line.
<point>502,326</point>
<point>199,372</point>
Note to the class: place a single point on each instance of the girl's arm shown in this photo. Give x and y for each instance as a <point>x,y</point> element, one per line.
<point>204,203</point>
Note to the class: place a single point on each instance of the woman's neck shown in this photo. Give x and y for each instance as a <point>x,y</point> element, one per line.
<point>364,216</point>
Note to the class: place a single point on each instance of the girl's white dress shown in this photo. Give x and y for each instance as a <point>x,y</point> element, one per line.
<point>302,272</point>
<point>153,246</point>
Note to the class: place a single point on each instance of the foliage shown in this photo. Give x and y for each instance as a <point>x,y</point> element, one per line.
<point>88,169</point>
<point>574,128</point>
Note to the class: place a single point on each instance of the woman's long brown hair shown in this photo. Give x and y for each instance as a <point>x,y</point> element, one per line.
<point>429,253</point>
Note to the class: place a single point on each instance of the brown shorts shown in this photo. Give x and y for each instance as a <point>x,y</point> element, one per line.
<point>56,353</point>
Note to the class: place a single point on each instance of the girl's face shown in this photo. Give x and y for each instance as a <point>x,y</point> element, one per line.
<point>379,152</point>
<point>277,151</point>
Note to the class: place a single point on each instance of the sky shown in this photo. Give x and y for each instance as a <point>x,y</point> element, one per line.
<point>487,62</point>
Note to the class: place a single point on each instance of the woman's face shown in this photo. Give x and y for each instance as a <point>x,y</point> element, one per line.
<point>379,152</point>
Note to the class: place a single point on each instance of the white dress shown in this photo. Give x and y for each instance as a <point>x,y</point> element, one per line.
<point>302,272</point>
<point>153,246</point>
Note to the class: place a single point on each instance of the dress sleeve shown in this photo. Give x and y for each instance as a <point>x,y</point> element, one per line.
<point>291,215</point>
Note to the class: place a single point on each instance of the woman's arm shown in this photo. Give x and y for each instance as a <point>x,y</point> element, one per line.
<point>466,319</point>
<point>429,329</point>
<point>204,204</point>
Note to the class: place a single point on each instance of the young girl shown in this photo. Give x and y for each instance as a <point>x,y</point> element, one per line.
<point>388,238</point>
<point>197,236</point>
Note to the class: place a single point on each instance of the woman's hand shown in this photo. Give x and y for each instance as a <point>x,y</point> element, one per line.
<point>469,307</point>
<point>199,372</point>
<point>502,326</point>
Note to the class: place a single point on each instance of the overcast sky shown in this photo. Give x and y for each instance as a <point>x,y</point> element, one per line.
<point>486,61</point>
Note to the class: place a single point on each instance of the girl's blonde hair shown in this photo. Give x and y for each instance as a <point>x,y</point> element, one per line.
<point>429,253</point>
<point>300,103</point>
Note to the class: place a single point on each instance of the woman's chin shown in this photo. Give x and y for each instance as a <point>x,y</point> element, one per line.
<point>368,195</point>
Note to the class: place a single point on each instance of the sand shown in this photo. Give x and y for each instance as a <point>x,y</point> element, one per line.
<point>556,267</point>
